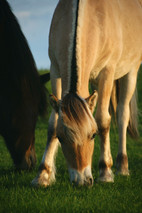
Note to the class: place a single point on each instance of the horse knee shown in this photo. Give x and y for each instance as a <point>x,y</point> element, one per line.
<point>103,122</point>
<point>52,124</point>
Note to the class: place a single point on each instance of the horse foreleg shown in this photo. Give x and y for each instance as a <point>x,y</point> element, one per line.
<point>46,174</point>
<point>103,119</point>
<point>127,88</point>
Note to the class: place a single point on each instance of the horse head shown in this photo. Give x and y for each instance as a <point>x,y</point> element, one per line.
<point>76,130</point>
<point>19,110</point>
<point>22,91</point>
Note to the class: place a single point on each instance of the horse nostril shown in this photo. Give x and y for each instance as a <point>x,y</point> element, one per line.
<point>90,181</point>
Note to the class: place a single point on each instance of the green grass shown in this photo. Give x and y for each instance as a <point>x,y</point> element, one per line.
<point>124,195</point>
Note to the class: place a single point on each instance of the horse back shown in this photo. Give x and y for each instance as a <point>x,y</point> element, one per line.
<point>109,33</point>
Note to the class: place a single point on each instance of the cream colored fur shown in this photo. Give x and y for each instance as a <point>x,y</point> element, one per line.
<point>109,47</point>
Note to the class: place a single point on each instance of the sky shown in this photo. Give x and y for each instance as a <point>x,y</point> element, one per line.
<point>35,17</point>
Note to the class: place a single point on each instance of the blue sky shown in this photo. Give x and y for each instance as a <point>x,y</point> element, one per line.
<point>35,17</point>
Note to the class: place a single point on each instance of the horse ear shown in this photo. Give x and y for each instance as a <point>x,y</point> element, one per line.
<point>54,102</point>
<point>92,100</point>
<point>44,78</point>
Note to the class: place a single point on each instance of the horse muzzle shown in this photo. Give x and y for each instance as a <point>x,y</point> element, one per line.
<point>28,161</point>
<point>81,178</point>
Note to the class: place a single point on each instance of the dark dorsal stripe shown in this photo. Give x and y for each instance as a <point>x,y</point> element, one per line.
<point>74,77</point>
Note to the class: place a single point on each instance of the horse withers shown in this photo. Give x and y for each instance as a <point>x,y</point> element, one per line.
<point>100,42</point>
<point>22,92</point>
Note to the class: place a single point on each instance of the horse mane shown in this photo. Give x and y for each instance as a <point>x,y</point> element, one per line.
<point>74,76</point>
<point>76,116</point>
<point>19,79</point>
<point>74,108</point>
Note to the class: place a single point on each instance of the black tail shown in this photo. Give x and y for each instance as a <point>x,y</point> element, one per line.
<point>44,78</point>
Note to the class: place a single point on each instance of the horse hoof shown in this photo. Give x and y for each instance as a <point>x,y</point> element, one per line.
<point>106,176</point>
<point>108,179</point>
<point>43,179</point>
<point>124,172</point>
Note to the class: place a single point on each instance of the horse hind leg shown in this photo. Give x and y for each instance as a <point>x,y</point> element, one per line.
<point>127,88</point>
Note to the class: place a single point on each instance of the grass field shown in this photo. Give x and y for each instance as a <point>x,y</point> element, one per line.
<point>124,195</point>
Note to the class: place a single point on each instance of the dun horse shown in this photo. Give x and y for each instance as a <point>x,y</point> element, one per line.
<point>100,42</point>
<point>22,95</point>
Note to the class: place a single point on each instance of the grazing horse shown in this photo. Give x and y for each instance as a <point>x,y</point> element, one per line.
<point>100,42</point>
<point>22,94</point>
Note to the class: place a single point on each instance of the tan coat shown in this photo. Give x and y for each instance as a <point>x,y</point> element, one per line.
<point>100,40</point>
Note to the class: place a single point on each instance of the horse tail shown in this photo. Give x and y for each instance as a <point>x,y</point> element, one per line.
<point>133,120</point>
<point>44,78</point>
<point>43,104</point>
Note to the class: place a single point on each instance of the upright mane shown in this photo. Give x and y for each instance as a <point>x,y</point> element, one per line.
<point>73,41</point>
<point>19,79</point>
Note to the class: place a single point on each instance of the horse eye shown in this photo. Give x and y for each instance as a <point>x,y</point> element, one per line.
<point>93,136</point>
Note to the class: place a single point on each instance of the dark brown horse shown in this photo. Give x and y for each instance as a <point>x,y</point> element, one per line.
<point>22,93</point>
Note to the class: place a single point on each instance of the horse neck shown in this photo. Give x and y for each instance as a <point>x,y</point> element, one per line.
<point>82,88</point>
<point>79,79</point>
